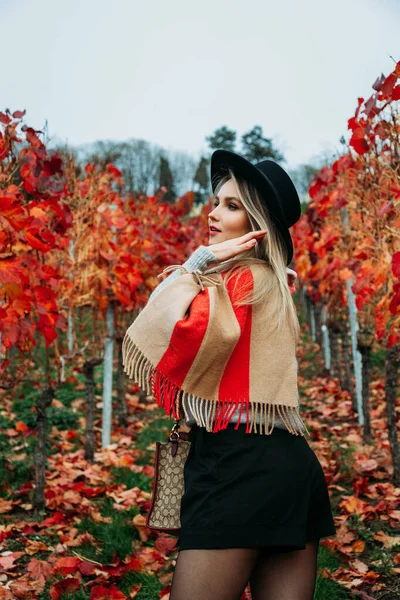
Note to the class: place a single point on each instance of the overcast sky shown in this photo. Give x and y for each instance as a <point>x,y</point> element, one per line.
<point>172,71</point>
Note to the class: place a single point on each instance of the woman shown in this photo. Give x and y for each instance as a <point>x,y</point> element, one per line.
<point>255,506</point>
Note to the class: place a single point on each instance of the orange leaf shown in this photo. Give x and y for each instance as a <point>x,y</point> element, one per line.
<point>346,274</point>
<point>34,546</point>
<point>359,546</point>
<point>6,505</point>
<point>135,589</point>
<point>387,540</point>
<point>352,504</point>
<point>20,426</point>
<point>139,522</point>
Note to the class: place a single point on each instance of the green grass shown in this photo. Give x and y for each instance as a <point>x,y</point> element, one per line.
<point>157,430</point>
<point>117,536</point>
<point>327,589</point>
<point>62,418</point>
<point>14,474</point>
<point>120,535</point>
<point>151,585</point>
<point>67,393</point>
<point>130,478</point>
<point>378,359</point>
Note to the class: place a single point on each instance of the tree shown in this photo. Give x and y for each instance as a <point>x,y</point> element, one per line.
<point>303,174</point>
<point>255,147</point>
<point>166,180</point>
<point>202,180</point>
<point>302,177</point>
<point>222,138</point>
<point>138,161</point>
<point>183,168</point>
<point>104,152</point>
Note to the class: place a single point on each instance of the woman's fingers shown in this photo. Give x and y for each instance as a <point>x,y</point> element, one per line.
<point>232,247</point>
<point>253,234</point>
<point>244,239</point>
<point>248,240</point>
<point>243,247</point>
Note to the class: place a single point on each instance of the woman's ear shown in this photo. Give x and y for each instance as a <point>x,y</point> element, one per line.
<point>292,276</point>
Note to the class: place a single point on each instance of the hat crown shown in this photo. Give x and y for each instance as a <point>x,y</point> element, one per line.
<point>286,191</point>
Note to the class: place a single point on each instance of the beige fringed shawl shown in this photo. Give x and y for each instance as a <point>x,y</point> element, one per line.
<point>192,341</point>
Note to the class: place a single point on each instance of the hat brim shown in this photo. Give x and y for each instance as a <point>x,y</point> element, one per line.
<point>220,159</point>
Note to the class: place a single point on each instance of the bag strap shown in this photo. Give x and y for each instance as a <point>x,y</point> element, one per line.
<point>176,435</point>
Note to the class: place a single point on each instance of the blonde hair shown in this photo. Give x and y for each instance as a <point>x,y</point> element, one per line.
<point>270,254</point>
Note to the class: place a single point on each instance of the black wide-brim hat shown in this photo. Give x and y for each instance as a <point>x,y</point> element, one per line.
<point>274,184</point>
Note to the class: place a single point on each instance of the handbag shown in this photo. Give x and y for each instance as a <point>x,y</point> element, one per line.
<point>170,458</point>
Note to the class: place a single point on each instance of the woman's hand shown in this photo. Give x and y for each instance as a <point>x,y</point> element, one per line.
<point>230,248</point>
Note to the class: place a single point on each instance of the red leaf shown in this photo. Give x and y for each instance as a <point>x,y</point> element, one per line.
<point>40,240</point>
<point>393,339</point>
<point>98,592</point>
<point>86,567</point>
<point>396,93</point>
<point>7,562</point>
<point>165,544</point>
<point>114,171</point>
<point>5,119</point>
<point>396,265</point>
<point>52,166</point>
<point>65,586</point>
<point>385,208</point>
<point>18,114</point>
<point>33,139</point>
<point>67,565</point>
<point>388,85</point>
<point>40,570</point>
<point>358,141</point>
<point>58,517</point>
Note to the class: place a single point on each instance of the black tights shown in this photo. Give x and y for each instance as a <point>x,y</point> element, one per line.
<point>224,574</point>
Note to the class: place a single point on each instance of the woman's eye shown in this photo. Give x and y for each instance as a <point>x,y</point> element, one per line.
<point>234,205</point>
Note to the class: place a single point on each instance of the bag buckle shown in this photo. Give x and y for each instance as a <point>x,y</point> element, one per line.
<point>174,438</point>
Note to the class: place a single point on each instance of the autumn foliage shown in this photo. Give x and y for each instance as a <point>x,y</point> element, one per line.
<point>351,227</point>
<point>72,245</point>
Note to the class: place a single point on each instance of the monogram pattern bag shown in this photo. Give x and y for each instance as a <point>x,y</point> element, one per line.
<point>164,513</point>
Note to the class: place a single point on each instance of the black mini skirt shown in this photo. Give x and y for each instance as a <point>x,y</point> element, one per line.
<point>246,490</point>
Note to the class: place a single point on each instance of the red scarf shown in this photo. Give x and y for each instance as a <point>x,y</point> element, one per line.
<point>193,340</point>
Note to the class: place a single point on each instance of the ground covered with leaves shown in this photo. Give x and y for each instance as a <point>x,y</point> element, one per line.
<point>91,542</point>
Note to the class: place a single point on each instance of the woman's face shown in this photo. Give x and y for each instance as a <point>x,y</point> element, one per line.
<point>228,215</point>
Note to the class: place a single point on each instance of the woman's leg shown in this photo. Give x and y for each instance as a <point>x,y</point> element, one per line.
<point>286,575</point>
<point>219,574</point>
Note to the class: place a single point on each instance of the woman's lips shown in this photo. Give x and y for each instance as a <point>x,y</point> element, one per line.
<point>213,231</point>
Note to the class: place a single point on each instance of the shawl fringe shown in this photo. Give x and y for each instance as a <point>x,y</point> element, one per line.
<point>216,414</point>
